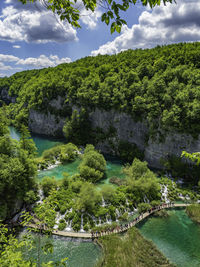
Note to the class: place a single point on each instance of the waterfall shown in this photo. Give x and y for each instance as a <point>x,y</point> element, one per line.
<point>164,191</point>
<point>81,230</point>
<point>103,202</point>
<point>146,200</point>
<point>108,219</point>
<point>41,196</point>
<point>117,213</point>
<point>69,226</point>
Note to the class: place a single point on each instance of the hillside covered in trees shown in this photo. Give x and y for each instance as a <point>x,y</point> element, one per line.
<point>161,84</point>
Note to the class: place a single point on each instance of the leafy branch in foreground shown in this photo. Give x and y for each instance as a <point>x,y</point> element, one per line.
<point>42,223</point>
<point>194,157</point>
<point>70,10</point>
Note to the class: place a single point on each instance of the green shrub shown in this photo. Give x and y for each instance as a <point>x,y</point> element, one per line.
<point>143,207</point>
<point>93,165</point>
<point>48,184</point>
<point>62,226</point>
<point>128,151</point>
<point>63,209</point>
<point>76,227</point>
<point>86,227</point>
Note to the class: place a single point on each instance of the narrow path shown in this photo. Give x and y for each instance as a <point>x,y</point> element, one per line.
<point>117,229</point>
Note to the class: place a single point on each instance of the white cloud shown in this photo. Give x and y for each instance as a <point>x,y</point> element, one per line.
<point>90,19</point>
<point>165,24</point>
<point>9,64</point>
<point>4,67</point>
<point>16,46</point>
<point>8,58</point>
<point>33,23</point>
<point>43,61</point>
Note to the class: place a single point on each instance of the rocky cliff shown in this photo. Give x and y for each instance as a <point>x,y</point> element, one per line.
<point>126,130</point>
<point>47,124</point>
<point>4,96</point>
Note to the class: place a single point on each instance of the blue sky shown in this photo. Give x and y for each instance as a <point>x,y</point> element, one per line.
<point>32,37</point>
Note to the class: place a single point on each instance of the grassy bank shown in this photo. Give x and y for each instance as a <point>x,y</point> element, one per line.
<point>130,250</point>
<point>193,212</point>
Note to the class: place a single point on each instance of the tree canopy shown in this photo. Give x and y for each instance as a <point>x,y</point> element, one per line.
<point>70,10</point>
<point>93,165</point>
<point>159,85</point>
<point>17,170</point>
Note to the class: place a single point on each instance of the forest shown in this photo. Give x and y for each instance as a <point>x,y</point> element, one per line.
<point>160,85</point>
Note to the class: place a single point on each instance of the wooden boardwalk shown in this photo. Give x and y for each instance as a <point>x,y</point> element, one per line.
<point>117,229</point>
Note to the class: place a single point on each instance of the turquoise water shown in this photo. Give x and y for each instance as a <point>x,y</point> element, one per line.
<point>112,169</point>
<point>42,142</point>
<point>79,253</point>
<point>177,237</point>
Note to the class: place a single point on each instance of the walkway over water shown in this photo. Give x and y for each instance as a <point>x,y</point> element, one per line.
<point>119,229</point>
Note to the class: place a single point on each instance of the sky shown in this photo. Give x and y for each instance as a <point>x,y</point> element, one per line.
<point>32,37</point>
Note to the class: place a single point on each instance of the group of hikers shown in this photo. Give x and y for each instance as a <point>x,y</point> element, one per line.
<point>124,227</point>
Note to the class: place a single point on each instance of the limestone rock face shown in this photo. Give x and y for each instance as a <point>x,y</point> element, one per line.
<point>126,129</point>
<point>6,98</point>
<point>173,144</point>
<point>47,124</point>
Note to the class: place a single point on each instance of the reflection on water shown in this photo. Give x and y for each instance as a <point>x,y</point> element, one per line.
<point>176,236</point>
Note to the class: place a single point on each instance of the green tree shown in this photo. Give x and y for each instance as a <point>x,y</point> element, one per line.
<point>77,128</point>
<point>48,184</point>
<point>70,11</point>
<point>26,142</point>
<point>17,172</point>
<point>93,165</point>
<point>137,169</point>
<point>12,249</point>
<point>194,157</point>
<point>142,182</point>
<point>68,152</point>
<point>89,198</point>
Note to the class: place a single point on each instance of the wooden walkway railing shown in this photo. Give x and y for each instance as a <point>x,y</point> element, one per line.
<point>118,229</point>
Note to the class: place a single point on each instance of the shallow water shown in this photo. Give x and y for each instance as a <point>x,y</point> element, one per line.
<point>42,142</point>
<point>113,168</point>
<point>80,253</point>
<point>177,237</point>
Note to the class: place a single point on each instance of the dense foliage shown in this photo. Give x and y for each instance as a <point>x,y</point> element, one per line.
<point>77,128</point>
<point>160,85</point>
<point>71,11</point>
<point>93,165</point>
<point>194,212</point>
<point>75,198</point>
<point>17,170</point>
<point>183,169</point>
